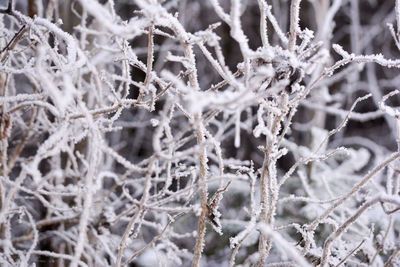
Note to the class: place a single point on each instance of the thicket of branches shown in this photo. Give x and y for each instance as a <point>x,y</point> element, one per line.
<point>202,133</point>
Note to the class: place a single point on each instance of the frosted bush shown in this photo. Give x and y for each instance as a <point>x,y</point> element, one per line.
<point>202,133</point>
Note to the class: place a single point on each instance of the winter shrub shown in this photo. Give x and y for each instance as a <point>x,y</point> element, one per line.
<point>212,133</point>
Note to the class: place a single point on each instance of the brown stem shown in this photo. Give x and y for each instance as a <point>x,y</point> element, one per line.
<point>203,182</point>
<point>149,62</point>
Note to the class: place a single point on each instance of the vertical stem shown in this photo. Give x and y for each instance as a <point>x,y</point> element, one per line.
<point>294,23</point>
<point>198,249</point>
<point>269,185</point>
<point>3,139</point>
<point>150,51</point>
<point>94,162</point>
<point>269,188</point>
<point>262,246</point>
<point>138,213</point>
<point>263,23</point>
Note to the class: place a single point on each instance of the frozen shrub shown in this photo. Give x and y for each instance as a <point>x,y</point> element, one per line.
<point>213,133</point>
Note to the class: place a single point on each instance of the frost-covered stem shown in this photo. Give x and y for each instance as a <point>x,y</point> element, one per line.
<point>3,140</point>
<point>150,58</point>
<point>93,164</point>
<point>224,82</point>
<point>275,25</point>
<point>218,152</point>
<point>159,12</point>
<point>21,144</point>
<point>288,122</point>
<point>11,194</point>
<point>3,127</point>
<point>343,123</point>
<point>263,22</point>
<point>149,244</point>
<point>294,23</point>
<point>198,249</point>
<point>250,226</point>
<point>35,238</point>
<point>188,51</point>
<point>237,31</point>
<point>4,169</point>
<point>220,12</point>
<point>264,202</point>
<point>381,245</point>
<point>126,72</point>
<point>138,213</point>
<point>355,189</point>
<point>378,59</point>
<point>352,219</point>
<point>235,251</point>
<point>269,189</point>
<point>354,250</point>
<point>222,70</point>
